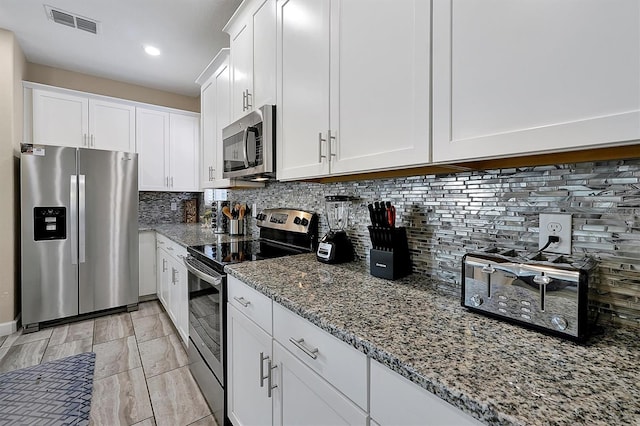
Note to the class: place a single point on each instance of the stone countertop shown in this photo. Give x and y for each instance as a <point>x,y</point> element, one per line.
<point>191,234</point>
<point>500,373</point>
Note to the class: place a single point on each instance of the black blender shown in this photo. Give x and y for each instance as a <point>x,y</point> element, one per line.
<point>335,246</point>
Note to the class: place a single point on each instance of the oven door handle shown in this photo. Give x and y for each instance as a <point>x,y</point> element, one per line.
<point>213,280</point>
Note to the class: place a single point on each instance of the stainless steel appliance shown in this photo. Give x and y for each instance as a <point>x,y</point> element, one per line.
<point>248,146</point>
<point>283,232</point>
<point>79,232</point>
<point>544,292</point>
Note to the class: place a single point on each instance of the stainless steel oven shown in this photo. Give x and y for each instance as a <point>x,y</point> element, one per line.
<point>248,146</point>
<point>283,232</point>
<point>206,331</point>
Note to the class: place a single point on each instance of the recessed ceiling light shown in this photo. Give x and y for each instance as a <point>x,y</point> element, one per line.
<point>153,51</point>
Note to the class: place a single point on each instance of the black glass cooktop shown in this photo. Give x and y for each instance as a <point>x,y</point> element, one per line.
<point>221,254</point>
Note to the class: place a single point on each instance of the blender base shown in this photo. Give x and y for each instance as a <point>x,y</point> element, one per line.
<point>335,247</point>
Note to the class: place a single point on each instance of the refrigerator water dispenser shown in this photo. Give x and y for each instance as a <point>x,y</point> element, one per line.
<point>49,223</point>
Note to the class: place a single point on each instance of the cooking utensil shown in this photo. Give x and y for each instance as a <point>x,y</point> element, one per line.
<point>242,211</point>
<point>227,212</point>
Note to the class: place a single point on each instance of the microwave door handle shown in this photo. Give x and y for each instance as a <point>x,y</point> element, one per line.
<point>245,139</point>
<point>254,153</point>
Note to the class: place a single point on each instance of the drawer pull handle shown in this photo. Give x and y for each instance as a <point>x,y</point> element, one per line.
<point>313,353</point>
<point>241,300</point>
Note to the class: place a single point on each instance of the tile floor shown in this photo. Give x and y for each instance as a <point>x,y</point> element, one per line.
<point>141,374</point>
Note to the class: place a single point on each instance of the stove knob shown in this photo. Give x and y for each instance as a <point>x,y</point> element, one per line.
<point>304,221</point>
<point>297,221</point>
<point>559,322</point>
<point>476,300</point>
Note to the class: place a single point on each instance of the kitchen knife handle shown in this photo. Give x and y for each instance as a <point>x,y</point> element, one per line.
<point>73,213</point>
<point>82,218</point>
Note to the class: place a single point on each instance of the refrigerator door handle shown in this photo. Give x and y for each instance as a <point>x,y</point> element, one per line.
<point>73,213</point>
<point>81,218</point>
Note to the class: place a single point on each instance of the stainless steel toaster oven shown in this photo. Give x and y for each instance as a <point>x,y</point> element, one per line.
<point>550,294</point>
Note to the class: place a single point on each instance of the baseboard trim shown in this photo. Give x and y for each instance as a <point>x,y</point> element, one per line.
<point>7,328</point>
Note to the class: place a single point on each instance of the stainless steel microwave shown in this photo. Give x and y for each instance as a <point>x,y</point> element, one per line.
<point>248,146</point>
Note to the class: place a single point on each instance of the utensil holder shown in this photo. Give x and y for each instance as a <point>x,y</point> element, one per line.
<point>236,226</point>
<point>389,257</point>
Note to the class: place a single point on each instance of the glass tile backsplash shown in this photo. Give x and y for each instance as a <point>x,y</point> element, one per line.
<point>448,215</point>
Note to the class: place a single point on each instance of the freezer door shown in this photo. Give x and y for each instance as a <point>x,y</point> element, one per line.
<point>108,229</point>
<point>48,191</point>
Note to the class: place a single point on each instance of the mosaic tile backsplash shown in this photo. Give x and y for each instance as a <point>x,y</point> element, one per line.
<point>448,215</point>
<point>155,207</point>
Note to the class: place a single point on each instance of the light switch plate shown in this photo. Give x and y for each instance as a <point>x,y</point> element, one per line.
<point>174,206</point>
<point>556,224</point>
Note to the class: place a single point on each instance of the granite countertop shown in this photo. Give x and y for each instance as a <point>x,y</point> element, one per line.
<point>499,373</point>
<point>191,234</point>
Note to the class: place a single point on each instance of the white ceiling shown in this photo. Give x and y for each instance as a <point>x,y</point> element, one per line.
<point>188,32</point>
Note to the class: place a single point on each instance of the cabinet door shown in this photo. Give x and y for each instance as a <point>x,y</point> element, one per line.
<point>152,137</point>
<point>241,45</point>
<point>304,398</point>
<point>163,276</point>
<point>208,139</point>
<point>147,256</point>
<point>179,298</point>
<point>60,119</point>
<point>264,54</point>
<point>223,114</point>
<point>535,76</point>
<point>397,401</point>
<point>184,164</point>
<point>380,84</point>
<point>303,88</point>
<point>112,126</point>
<point>247,401</point>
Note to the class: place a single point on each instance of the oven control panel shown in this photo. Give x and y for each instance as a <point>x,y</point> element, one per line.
<point>287,220</point>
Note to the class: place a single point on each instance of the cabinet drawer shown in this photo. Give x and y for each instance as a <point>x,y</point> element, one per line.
<point>340,364</point>
<point>174,249</point>
<point>397,401</point>
<point>250,302</point>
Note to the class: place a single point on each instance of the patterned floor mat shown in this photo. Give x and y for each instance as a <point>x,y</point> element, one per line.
<point>53,393</point>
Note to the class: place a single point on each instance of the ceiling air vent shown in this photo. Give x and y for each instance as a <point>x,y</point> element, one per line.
<point>71,20</point>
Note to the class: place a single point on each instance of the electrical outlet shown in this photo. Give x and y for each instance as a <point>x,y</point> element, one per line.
<point>174,206</point>
<point>559,225</point>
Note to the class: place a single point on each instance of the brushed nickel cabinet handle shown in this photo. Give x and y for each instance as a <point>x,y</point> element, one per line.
<point>320,140</point>
<point>270,386</point>
<point>313,353</point>
<point>241,300</point>
<point>329,138</point>
<point>262,376</point>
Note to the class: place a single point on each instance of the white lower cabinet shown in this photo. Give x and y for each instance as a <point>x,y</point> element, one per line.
<point>284,370</point>
<point>172,283</point>
<point>247,347</point>
<point>302,397</point>
<point>397,401</point>
<point>147,272</point>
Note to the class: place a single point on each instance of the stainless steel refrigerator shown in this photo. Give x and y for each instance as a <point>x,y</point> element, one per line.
<point>79,228</point>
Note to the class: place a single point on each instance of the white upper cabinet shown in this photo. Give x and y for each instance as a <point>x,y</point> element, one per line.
<point>168,150</point>
<point>215,114</point>
<point>303,88</point>
<point>184,134</point>
<point>380,104</point>
<point>353,86</point>
<point>70,119</point>
<point>152,134</point>
<point>252,33</point>
<point>112,125</point>
<point>534,76</point>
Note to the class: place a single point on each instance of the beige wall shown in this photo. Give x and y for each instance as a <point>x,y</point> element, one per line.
<point>102,86</point>
<point>12,68</point>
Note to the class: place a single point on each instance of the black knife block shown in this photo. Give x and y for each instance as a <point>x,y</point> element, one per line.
<point>389,257</point>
